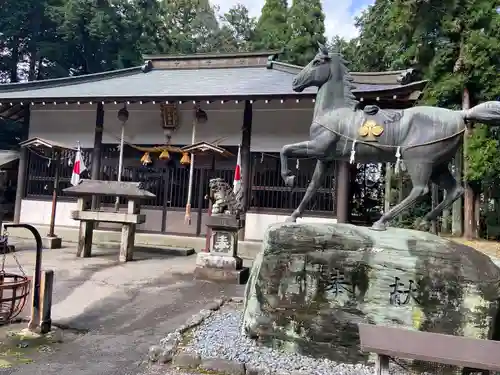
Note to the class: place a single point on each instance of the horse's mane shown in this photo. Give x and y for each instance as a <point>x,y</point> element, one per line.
<point>349,97</point>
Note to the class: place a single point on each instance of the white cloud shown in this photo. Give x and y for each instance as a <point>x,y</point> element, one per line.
<point>340,14</point>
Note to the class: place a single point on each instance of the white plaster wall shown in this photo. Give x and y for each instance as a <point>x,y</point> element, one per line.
<point>38,212</point>
<point>256,224</point>
<point>273,124</point>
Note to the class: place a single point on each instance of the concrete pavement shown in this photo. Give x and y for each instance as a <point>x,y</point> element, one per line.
<point>107,238</point>
<point>125,307</point>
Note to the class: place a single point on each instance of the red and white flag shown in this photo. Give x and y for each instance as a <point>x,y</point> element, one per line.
<point>78,168</point>
<point>237,184</point>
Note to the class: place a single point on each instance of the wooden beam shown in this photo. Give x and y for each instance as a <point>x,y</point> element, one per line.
<point>10,110</point>
<point>109,217</point>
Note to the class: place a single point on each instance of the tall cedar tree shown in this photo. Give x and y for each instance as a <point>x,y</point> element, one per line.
<point>306,21</point>
<point>272,31</point>
<point>238,29</point>
<point>192,27</point>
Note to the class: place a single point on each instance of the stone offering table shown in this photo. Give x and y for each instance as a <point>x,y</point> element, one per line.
<point>312,284</point>
<point>222,262</point>
<point>131,191</point>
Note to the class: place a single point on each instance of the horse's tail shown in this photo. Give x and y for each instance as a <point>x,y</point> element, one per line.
<point>487,113</point>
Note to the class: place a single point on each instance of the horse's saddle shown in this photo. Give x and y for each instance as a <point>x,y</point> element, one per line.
<point>376,120</point>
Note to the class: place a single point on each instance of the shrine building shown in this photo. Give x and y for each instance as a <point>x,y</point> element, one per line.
<point>247,99</point>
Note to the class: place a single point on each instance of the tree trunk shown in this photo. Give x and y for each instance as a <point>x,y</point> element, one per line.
<point>36,21</point>
<point>14,60</point>
<point>470,229</point>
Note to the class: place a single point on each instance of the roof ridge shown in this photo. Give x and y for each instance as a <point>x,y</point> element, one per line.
<point>196,56</point>
<point>286,67</point>
<point>19,86</point>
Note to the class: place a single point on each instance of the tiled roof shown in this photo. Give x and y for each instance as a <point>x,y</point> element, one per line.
<point>273,80</point>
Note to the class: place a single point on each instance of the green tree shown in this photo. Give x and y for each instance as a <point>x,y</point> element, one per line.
<point>238,28</point>
<point>272,31</point>
<point>14,37</point>
<point>348,49</point>
<point>306,22</point>
<point>193,27</point>
<point>377,47</point>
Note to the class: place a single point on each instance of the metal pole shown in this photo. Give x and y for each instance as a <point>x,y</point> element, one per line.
<point>57,161</point>
<point>35,310</point>
<point>187,218</point>
<point>120,164</point>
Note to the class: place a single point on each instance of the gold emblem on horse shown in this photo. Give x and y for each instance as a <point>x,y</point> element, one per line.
<point>370,130</point>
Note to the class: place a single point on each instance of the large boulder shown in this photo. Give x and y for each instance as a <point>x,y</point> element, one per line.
<point>313,283</point>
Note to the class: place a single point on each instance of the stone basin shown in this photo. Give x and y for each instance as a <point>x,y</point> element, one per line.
<point>311,285</point>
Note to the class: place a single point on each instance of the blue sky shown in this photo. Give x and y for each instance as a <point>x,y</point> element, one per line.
<point>339,13</point>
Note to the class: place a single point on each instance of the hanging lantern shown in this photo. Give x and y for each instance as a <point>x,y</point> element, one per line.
<point>185,160</point>
<point>170,120</point>
<point>164,155</point>
<point>146,159</point>
<point>201,116</point>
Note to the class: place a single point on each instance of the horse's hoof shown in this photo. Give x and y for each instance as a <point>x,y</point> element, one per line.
<point>291,219</point>
<point>290,181</point>
<point>378,226</point>
<point>424,226</point>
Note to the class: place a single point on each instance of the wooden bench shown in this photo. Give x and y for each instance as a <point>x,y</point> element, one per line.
<point>131,191</point>
<point>476,356</point>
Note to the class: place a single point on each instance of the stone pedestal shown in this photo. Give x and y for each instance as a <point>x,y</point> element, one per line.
<point>222,262</point>
<point>312,284</point>
<point>51,242</point>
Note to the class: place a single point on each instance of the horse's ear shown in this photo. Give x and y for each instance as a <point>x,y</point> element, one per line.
<point>322,49</point>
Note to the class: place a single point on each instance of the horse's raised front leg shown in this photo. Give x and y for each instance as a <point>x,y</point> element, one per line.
<point>299,148</point>
<point>319,147</point>
<point>420,174</point>
<point>313,187</point>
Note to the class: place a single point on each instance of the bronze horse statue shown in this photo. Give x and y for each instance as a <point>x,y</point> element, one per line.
<point>426,138</point>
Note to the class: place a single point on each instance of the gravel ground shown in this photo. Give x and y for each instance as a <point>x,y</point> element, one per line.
<point>219,337</point>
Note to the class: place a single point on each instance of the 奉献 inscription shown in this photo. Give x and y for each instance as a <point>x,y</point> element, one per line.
<point>222,242</point>
<point>338,283</point>
<point>402,295</point>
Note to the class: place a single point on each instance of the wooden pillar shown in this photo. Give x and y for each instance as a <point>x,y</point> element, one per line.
<point>246,159</point>
<point>343,196</point>
<point>22,175</point>
<point>469,219</point>
<point>97,150</point>
<point>388,187</point>
<point>457,220</point>
<point>86,232</point>
<point>128,233</point>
